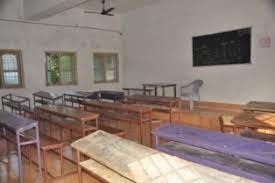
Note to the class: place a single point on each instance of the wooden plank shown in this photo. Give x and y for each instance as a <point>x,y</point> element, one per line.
<point>255,120</point>
<point>69,112</point>
<point>231,164</point>
<point>103,173</point>
<point>260,106</point>
<point>153,99</point>
<point>143,165</point>
<point>118,106</point>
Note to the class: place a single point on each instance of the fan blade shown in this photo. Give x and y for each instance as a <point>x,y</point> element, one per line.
<point>92,12</point>
<point>108,14</point>
<point>107,11</point>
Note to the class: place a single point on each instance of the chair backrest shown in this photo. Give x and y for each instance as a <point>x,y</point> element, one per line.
<point>196,84</point>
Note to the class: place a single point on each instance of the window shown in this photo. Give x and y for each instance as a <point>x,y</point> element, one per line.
<point>11,69</point>
<point>105,67</point>
<point>60,68</point>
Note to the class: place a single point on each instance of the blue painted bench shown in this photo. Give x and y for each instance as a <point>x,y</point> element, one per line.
<point>111,95</point>
<point>249,158</point>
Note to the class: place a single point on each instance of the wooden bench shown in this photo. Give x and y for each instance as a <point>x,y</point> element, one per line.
<point>241,156</point>
<point>158,103</point>
<point>68,118</point>
<point>111,130</point>
<point>46,144</point>
<point>136,114</point>
<point>102,172</point>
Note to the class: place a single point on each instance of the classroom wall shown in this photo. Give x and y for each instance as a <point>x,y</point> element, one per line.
<point>157,43</point>
<point>34,40</point>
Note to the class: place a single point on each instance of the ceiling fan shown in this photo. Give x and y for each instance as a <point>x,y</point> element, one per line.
<point>104,11</point>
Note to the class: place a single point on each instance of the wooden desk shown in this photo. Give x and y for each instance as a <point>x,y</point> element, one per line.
<point>20,126</point>
<point>255,120</point>
<point>158,103</point>
<point>144,91</point>
<point>117,160</point>
<point>244,157</point>
<point>122,112</point>
<point>43,98</point>
<point>78,97</point>
<point>69,118</point>
<point>260,106</point>
<point>162,86</point>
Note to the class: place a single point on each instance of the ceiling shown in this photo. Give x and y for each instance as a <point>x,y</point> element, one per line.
<point>122,6</point>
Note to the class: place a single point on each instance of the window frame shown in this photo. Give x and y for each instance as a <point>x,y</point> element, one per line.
<point>74,69</point>
<point>20,70</point>
<point>116,68</point>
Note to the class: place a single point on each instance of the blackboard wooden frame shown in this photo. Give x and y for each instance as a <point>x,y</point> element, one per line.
<point>224,48</point>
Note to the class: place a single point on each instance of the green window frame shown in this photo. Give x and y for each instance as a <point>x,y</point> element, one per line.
<point>106,67</point>
<point>61,68</point>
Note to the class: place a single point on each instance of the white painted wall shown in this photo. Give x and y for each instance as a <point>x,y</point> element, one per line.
<point>158,47</point>
<point>34,40</point>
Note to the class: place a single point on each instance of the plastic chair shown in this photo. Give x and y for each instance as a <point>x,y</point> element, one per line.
<point>191,91</point>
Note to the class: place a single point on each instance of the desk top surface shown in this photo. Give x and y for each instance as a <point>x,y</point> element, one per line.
<point>80,94</point>
<point>119,106</point>
<point>47,95</point>
<point>14,122</point>
<point>141,164</point>
<point>69,112</point>
<point>153,99</point>
<point>255,120</point>
<point>246,148</point>
<point>160,84</point>
<point>260,106</point>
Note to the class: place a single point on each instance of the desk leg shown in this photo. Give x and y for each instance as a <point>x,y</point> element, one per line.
<point>157,140</point>
<point>163,91</point>
<point>150,133</point>
<point>144,89</point>
<point>20,168</point>
<point>78,167</point>
<point>141,132</point>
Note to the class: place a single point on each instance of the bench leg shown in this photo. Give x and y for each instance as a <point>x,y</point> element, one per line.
<point>45,166</point>
<point>78,167</point>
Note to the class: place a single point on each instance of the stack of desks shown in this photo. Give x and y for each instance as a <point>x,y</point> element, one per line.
<point>249,158</point>
<point>116,160</point>
<point>122,112</point>
<point>20,127</point>
<point>17,104</point>
<point>68,118</point>
<point>43,97</point>
<point>79,97</point>
<point>170,104</point>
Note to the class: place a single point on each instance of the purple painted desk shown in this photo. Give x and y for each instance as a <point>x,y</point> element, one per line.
<point>241,156</point>
<point>19,125</point>
<point>111,95</point>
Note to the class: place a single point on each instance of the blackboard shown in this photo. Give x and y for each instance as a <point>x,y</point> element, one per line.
<point>232,47</point>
